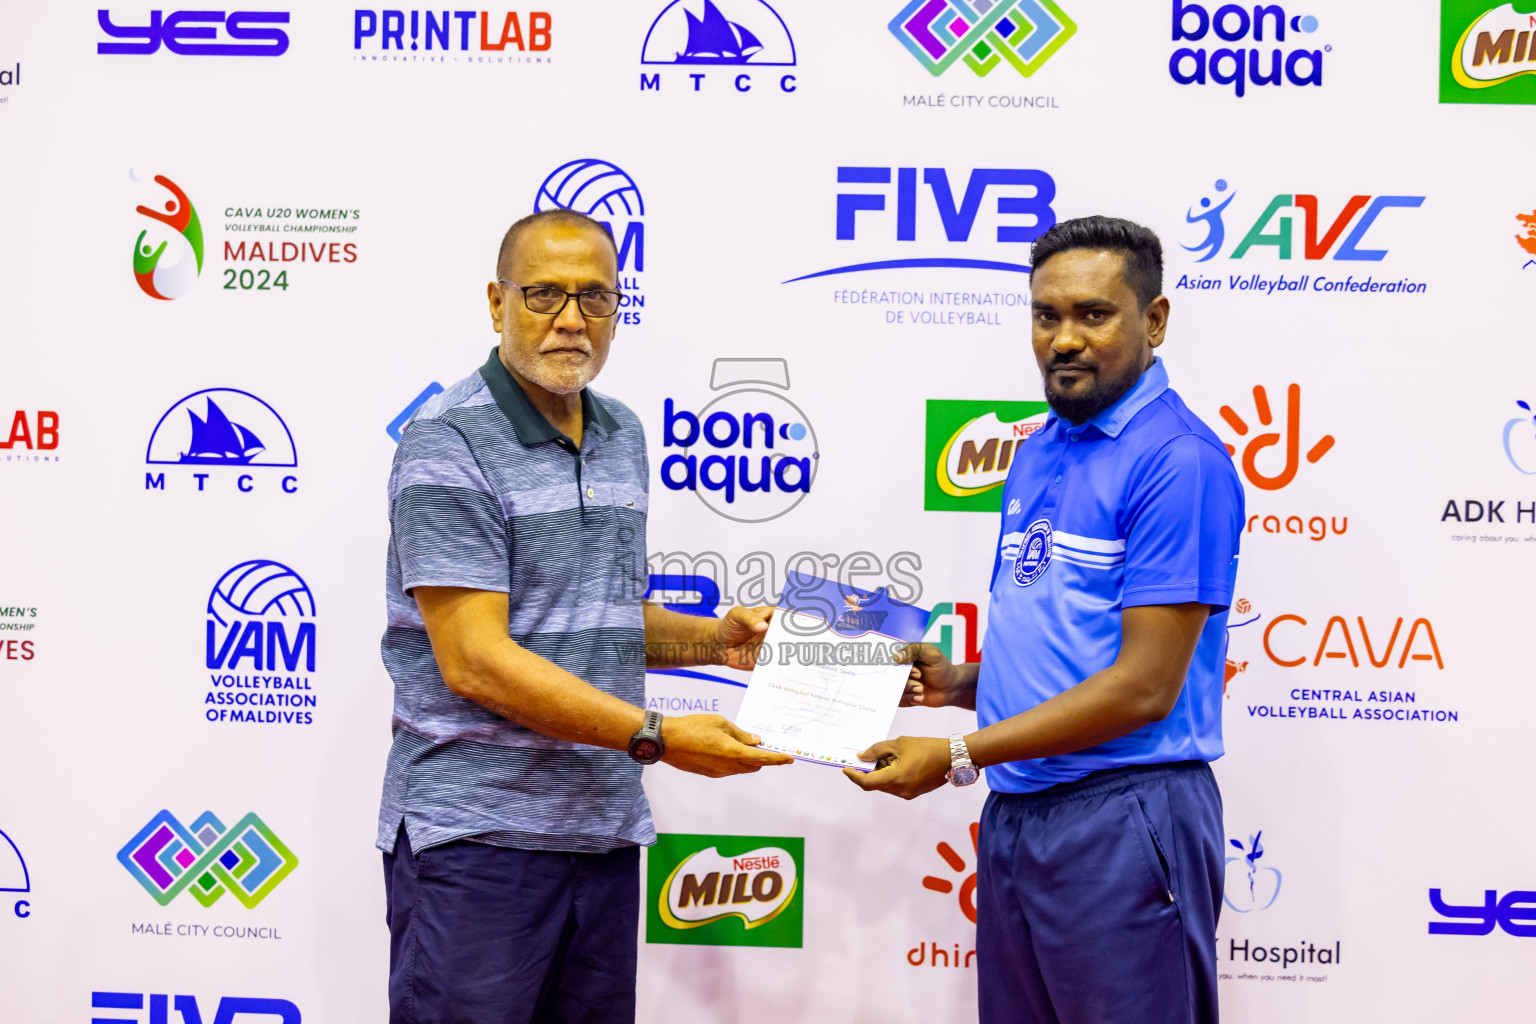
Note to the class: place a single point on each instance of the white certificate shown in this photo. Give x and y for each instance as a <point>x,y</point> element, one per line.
<point>827,686</point>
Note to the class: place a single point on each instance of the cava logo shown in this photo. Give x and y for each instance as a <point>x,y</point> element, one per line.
<point>1487,53</point>
<point>260,622</point>
<point>223,430</point>
<point>970,446</point>
<point>983,33</point>
<point>167,858</point>
<point>725,890</point>
<point>168,255</point>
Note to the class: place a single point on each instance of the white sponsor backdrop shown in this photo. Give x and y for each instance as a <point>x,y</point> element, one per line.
<point>103,697</point>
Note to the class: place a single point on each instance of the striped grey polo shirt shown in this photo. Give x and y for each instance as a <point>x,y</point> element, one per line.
<point>486,494</point>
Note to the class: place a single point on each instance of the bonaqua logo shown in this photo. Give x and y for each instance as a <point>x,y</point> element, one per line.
<point>735,36</point>
<point>1266,63</point>
<point>605,192</point>
<point>983,33</point>
<point>207,859</point>
<point>158,277</point>
<point>1261,886</point>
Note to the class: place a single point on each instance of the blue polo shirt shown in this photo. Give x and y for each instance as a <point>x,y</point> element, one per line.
<point>1139,505</point>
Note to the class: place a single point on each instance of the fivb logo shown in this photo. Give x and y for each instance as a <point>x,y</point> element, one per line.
<point>760,454</point>
<point>222,428</point>
<point>208,860</point>
<point>603,191</point>
<point>1319,241</point>
<point>983,33</point>
<point>725,890</point>
<point>970,446</point>
<point>1235,65</point>
<point>158,277</point>
<point>161,1005</point>
<point>1027,195</point>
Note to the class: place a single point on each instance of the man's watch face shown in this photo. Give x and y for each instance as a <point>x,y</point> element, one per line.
<point>962,776</point>
<point>645,751</point>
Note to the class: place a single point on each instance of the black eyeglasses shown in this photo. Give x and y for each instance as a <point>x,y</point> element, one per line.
<point>599,302</point>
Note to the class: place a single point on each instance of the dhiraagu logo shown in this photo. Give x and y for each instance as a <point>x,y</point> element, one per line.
<point>725,890</point>
<point>1487,52</point>
<point>970,446</point>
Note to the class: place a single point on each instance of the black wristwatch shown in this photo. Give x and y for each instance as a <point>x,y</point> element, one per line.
<point>645,746</point>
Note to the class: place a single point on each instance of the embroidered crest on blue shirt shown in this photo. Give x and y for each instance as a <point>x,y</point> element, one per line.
<point>1034,553</point>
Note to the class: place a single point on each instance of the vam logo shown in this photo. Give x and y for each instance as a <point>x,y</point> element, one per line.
<point>14,878</point>
<point>1321,238</point>
<point>160,1007</point>
<point>223,431</point>
<point>184,32</point>
<point>261,619</point>
<point>1255,887</point>
<point>725,890</point>
<point>603,191</point>
<point>167,858</point>
<point>759,450</point>
<point>969,447</point>
<point>158,277</point>
<point>982,33</point>
<point>1235,65</point>
<point>732,35</point>
<point>1486,52</point>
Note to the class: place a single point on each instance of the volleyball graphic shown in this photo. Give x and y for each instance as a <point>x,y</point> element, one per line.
<point>259,588</point>
<point>593,187</point>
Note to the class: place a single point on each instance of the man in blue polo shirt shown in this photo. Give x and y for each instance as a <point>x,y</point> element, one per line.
<point>1099,692</point>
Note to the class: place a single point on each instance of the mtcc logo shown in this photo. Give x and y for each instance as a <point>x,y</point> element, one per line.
<point>733,35</point>
<point>159,277</point>
<point>207,859</point>
<point>750,454</point>
<point>14,879</point>
<point>1234,64</point>
<point>1259,442</point>
<point>1321,237</point>
<point>219,433</point>
<point>603,191</point>
<point>725,890</point>
<point>1520,441</point>
<point>983,33</point>
<point>1255,887</point>
<point>276,1011</point>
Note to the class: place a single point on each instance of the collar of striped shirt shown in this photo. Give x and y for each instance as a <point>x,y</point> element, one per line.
<point>529,424</point>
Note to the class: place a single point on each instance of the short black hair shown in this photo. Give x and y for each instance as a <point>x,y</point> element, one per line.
<point>509,240</point>
<point>1137,245</point>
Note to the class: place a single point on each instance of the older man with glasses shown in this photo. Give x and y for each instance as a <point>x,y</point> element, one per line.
<point>518,641</point>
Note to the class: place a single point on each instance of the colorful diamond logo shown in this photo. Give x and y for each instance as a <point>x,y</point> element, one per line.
<point>247,860</point>
<point>983,33</point>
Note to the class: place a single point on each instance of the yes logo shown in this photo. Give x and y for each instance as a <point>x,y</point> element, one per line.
<point>1259,887</point>
<point>725,890</point>
<point>162,278</point>
<point>983,33</point>
<point>184,32</point>
<point>970,446</point>
<point>1515,913</point>
<point>1259,442</point>
<point>1487,53</point>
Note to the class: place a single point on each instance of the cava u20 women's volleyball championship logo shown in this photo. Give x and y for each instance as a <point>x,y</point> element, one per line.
<point>167,264</point>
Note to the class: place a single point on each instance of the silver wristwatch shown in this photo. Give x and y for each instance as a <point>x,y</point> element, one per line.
<point>962,770</point>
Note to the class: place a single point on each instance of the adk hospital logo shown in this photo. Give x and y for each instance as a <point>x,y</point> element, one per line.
<point>260,647</point>
<point>1487,53</point>
<point>222,439</point>
<point>208,860</point>
<point>725,890</point>
<point>605,192</point>
<point>984,34</point>
<point>717,45</point>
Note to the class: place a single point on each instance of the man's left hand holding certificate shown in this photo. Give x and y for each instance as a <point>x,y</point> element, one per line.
<point>830,685</point>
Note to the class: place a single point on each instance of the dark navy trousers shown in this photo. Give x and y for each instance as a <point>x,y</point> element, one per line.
<point>1097,900</point>
<point>484,934</point>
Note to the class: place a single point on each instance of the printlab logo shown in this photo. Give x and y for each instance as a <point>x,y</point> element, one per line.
<point>603,191</point>
<point>15,881</point>
<point>983,33</point>
<point>969,447</point>
<point>441,36</point>
<point>1520,440</point>
<point>725,890</point>
<point>735,36</point>
<point>261,619</point>
<point>1486,53</point>
<point>1255,887</point>
<point>158,277</point>
<point>161,1005</point>
<point>218,433</point>
<point>30,434</point>
<point>187,33</point>
<point>759,450</point>
<point>1026,195</point>
<point>1515,913</point>
<point>207,859</point>
<point>1232,64</point>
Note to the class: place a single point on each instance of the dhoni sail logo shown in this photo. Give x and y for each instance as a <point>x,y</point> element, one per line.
<point>159,277</point>
<point>725,890</point>
<point>970,448</point>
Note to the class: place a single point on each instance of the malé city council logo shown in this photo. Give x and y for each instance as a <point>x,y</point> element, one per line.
<point>158,276</point>
<point>207,859</point>
<point>983,33</point>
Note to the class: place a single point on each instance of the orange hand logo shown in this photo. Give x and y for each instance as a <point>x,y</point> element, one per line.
<point>1261,441</point>
<point>967,887</point>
